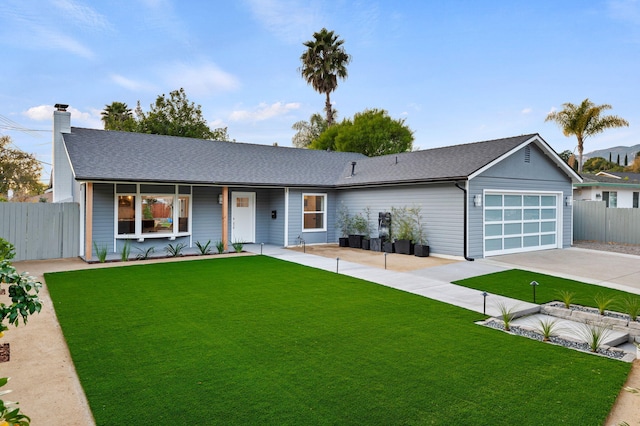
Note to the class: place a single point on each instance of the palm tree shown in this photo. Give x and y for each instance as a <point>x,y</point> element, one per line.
<point>323,63</point>
<point>584,120</point>
<point>117,116</point>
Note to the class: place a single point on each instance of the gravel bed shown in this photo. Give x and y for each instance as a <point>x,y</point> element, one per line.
<point>612,247</point>
<point>572,344</point>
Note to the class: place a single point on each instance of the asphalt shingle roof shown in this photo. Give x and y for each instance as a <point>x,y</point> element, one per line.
<point>101,155</point>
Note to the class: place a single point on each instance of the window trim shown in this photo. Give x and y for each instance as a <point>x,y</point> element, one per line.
<point>139,235</point>
<point>324,212</point>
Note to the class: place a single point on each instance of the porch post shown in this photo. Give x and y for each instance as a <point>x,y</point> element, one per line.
<point>225,218</point>
<point>88,217</point>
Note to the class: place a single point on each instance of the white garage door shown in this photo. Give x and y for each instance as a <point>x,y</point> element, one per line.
<point>518,222</point>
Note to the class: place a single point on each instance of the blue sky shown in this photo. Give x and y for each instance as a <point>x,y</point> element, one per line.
<point>457,71</point>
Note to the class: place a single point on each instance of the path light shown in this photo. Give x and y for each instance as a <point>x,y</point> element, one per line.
<point>385,260</point>
<point>337,264</point>
<point>261,246</point>
<point>484,305</point>
<point>534,284</point>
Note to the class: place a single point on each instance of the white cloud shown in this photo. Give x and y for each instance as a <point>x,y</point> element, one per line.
<point>264,111</point>
<point>79,118</point>
<point>82,15</point>
<point>526,111</point>
<point>130,84</point>
<point>202,79</point>
<point>61,41</point>
<point>287,19</point>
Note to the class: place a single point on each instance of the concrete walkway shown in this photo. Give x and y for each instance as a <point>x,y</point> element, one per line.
<point>434,283</point>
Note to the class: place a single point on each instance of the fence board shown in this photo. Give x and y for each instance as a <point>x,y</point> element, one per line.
<point>41,230</point>
<point>593,221</point>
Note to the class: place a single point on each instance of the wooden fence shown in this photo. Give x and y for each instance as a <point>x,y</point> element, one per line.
<point>593,221</point>
<point>41,230</point>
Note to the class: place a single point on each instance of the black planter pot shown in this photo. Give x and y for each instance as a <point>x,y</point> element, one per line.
<point>355,241</point>
<point>421,250</point>
<point>404,246</point>
<point>388,247</point>
<point>366,244</point>
<point>376,244</point>
<point>343,242</point>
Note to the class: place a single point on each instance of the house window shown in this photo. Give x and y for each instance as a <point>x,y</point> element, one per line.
<point>126,214</point>
<point>314,212</point>
<point>153,215</point>
<point>611,198</point>
<point>635,199</point>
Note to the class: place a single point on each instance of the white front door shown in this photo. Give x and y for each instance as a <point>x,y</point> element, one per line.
<point>243,217</point>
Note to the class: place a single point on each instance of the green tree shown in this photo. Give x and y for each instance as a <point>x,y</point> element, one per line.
<point>118,116</point>
<point>19,172</point>
<point>565,155</point>
<point>599,164</point>
<point>176,116</point>
<point>584,120</point>
<point>308,131</point>
<point>371,132</point>
<point>323,63</point>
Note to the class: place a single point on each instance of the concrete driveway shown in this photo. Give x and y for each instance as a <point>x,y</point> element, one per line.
<point>615,270</point>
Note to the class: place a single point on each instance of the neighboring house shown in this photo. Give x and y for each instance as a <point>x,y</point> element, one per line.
<point>617,189</point>
<point>480,199</point>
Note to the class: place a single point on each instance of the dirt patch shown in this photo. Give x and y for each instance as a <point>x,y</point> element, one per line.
<point>394,261</point>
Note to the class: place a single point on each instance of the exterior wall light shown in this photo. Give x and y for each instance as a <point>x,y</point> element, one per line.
<point>219,198</point>
<point>477,200</point>
<point>568,200</point>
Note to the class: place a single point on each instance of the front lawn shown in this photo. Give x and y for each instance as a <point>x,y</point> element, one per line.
<point>254,340</point>
<point>516,284</point>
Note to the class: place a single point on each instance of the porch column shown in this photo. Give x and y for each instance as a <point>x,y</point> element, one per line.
<point>88,217</point>
<point>225,218</point>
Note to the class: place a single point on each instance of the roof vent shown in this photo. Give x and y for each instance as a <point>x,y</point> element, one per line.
<point>527,154</point>
<point>61,107</point>
<point>353,168</point>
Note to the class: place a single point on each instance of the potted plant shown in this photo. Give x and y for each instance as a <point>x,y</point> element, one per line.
<point>421,248</point>
<point>344,224</point>
<point>403,230</point>
<point>359,228</point>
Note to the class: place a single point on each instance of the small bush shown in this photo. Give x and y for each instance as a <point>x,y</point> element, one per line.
<point>7,250</point>
<point>220,247</point>
<point>631,306</point>
<point>506,314</point>
<point>144,253</point>
<point>174,250</point>
<point>567,297</point>
<point>101,252</point>
<point>594,334</point>
<point>603,302</point>
<point>204,248</point>
<point>126,250</point>
<point>547,327</point>
<point>237,246</point>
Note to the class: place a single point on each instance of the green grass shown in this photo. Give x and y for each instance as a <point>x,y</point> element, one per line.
<point>515,283</point>
<point>254,340</point>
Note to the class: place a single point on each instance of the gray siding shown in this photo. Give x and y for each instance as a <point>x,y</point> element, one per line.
<point>206,220</point>
<point>295,217</point>
<point>441,207</point>
<point>103,216</point>
<point>516,174</point>
<point>276,226</point>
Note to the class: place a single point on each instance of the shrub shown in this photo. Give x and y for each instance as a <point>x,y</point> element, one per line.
<point>594,334</point>
<point>237,246</point>
<point>174,250</point>
<point>631,306</point>
<point>603,302</point>
<point>126,250</point>
<point>506,314</point>
<point>7,250</point>
<point>220,247</point>
<point>101,252</point>
<point>567,297</point>
<point>547,327</point>
<point>144,253</point>
<point>204,248</point>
